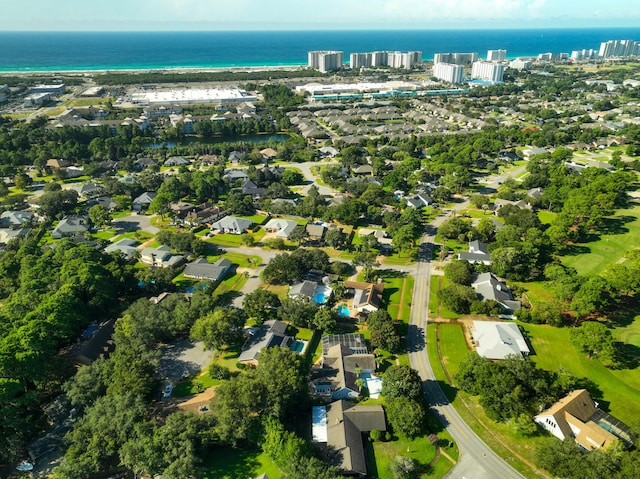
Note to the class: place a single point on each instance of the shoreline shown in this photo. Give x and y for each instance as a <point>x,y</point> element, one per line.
<point>179,69</point>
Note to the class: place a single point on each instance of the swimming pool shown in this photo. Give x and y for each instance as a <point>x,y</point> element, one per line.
<point>322,294</point>
<point>344,311</point>
<point>298,346</point>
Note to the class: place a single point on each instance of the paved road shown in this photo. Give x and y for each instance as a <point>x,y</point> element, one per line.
<point>477,460</point>
<point>310,178</point>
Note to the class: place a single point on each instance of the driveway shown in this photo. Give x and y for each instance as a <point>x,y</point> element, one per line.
<point>183,358</point>
<point>134,223</point>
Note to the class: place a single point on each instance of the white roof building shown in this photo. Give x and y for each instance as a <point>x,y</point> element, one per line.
<point>498,340</point>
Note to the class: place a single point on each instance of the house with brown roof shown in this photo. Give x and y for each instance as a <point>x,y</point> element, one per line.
<point>339,428</point>
<point>577,415</point>
<point>367,297</point>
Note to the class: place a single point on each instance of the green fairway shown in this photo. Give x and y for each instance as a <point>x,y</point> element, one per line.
<point>624,234</point>
<point>620,389</point>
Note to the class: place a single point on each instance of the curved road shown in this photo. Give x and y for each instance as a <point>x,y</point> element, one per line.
<point>477,460</point>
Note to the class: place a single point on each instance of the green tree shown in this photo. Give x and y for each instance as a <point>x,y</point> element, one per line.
<point>458,298</point>
<point>221,327</point>
<point>260,304</point>
<point>459,272</point>
<point>402,467</point>
<point>594,339</point>
<point>406,416</point>
<point>22,181</point>
<point>325,320</point>
<point>335,238</point>
<point>99,216</point>
<point>402,381</point>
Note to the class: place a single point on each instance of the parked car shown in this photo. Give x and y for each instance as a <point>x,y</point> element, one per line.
<point>167,391</point>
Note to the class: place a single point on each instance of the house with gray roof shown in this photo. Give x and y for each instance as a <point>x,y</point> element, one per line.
<point>15,218</point>
<point>477,254</point>
<point>316,232</point>
<point>177,161</point>
<point>339,428</point>
<point>419,200</point>
<point>233,175</point>
<point>271,334</point>
<point>281,227</point>
<point>126,246</point>
<point>88,190</point>
<point>203,270</point>
<point>70,226</point>
<point>232,224</point>
<point>143,201</point>
<point>487,286</point>
<point>340,369</point>
<point>7,234</point>
<point>498,340</point>
<point>160,257</point>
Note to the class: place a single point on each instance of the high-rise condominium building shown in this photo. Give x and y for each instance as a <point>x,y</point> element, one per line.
<point>387,59</point>
<point>619,48</point>
<point>496,55</point>
<point>449,72</point>
<point>455,58</point>
<point>325,61</point>
<point>487,71</point>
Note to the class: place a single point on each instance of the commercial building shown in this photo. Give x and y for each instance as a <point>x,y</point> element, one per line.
<point>449,72</point>
<point>619,48</point>
<point>487,71</point>
<point>496,55</point>
<point>455,58</point>
<point>325,61</point>
<point>520,64</point>
<point>36,99</point>
<point>191,96</point>
<point>57,89</point>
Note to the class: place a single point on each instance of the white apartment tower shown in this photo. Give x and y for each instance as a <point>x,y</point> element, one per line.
<point>325,61</point>
<point>455,58</point>
<point>387,59</point>
<point>496,55</point>
<point>487,71</point>
<point>449,72</point>
<point>619,48</point>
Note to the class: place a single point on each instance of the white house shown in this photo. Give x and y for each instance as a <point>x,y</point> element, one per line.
<point>498,340</point>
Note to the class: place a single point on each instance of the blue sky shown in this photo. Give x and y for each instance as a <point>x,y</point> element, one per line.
<point>83,15</point>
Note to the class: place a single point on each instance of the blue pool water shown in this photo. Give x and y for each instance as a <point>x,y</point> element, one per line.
<point>297,347</point>
<point>343,311</point>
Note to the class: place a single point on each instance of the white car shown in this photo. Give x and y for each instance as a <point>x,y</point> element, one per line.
<point>167,391</point>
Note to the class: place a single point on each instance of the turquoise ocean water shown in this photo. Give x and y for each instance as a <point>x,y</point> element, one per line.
<point>63,51</point>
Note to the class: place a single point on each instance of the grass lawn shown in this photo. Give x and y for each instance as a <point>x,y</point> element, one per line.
<point>624,234</point>
<point>229,463</point>
<point>537,291</point>
<point>436,308</point>
<point>546,217</point>
<point>619,390</point>
<point>75,102</point>
<point>105,234</point>
<point>402,259</point>
<point>453,346</point>
<point>257,219</point>
<point>280,290</point>
<point>419,449</point>
<point>233,240</point>
<point>232,283</point>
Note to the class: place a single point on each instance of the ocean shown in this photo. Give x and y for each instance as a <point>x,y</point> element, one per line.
<point>66,51</point>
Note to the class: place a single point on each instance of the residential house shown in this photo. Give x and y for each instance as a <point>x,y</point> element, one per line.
<point>236,156</point>
<point>363,170</point>
<point>181,209</point>
<point>499,203</point>
<point>88,190</point>
<point>487,286</point>
<point>127,246</point>
<point>70,226</point>
<point>304,288</point>
<point>205,214</point>
<point>367,297</point>
<point>160,257</point>
<point>143,201</point>
<point>97,344</point>
<point>15,218</point>
<point>268,153</point>
<point>249,188</point>
<point>477,254</point>
<point>7,234</point>
<point>143,163</point>
<point>316,232</point>
<point>235,175</point>
<point>203,270</point>
<point>105,201</point>
<point>177,161</point>
<point>232,224</point>
<point>328,152</point>
<point>498,340</point>
<point>281,227</point>
<point>419,200</point>
<point>271,334</point>
<point>340,369</point>
<point>381,235</point>
<point>57,164</point>
<point>578,416</point>
<point>339,427</point>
